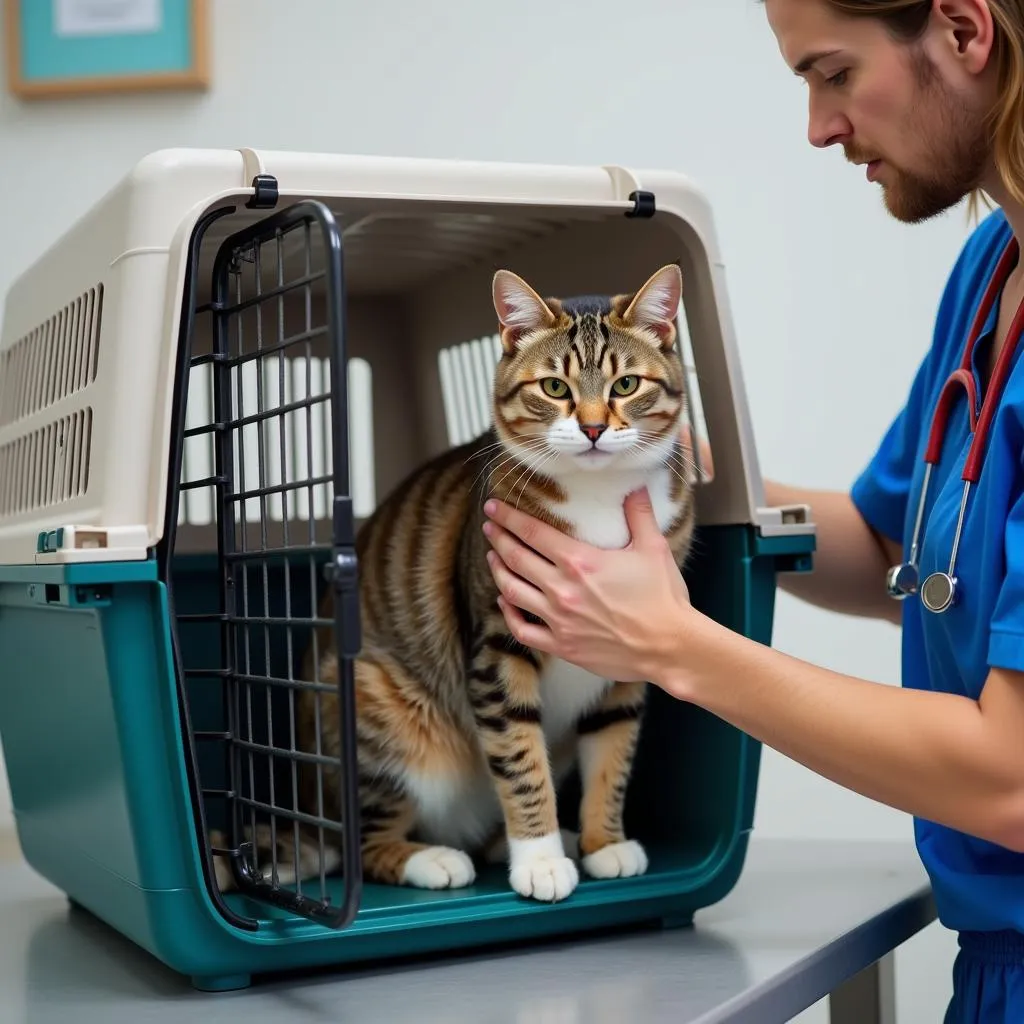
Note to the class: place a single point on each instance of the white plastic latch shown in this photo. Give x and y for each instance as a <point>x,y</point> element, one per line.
<point>628,189</point>
<point>779,520</point>
<point>252,166</point>
<point>91,544</point>
<point>624,181</point>
<point>263,184</point>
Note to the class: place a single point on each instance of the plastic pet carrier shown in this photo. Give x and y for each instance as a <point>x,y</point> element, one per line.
<point>206,384</point>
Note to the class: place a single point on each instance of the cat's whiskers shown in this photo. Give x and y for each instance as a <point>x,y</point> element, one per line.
<point>495,463</point>
<point>671,459</point>
<point>667,463</point>
<point>506,455</point>
<point>516,458</point>
<point>497,444</point>
<point>672,462</point>
<point>543,462</point>
<point>528,465</point>
<point>677,451</point>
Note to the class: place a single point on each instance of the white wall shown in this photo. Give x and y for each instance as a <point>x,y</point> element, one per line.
<point>812,260</point>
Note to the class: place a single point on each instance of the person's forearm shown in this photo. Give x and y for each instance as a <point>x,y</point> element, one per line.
<point>850,562</point>
<point>942,757</point>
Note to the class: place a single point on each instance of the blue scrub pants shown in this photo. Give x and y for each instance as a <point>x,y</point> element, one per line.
<point>988,979</point>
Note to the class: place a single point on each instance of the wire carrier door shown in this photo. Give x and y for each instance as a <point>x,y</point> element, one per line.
<point>285,547</point>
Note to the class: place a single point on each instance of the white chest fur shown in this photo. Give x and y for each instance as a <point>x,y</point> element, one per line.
<point>566,693</point>
<point>594,508</point>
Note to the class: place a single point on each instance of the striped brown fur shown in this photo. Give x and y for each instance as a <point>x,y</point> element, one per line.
<point>463,734</point>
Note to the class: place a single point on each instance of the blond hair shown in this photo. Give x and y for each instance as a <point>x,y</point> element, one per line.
<point>907,20</point>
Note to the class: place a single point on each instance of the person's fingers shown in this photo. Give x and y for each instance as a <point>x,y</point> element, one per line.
<point>517,591</point>
<point>538,638</point>
<point>643,526</point>
<point>534,533</point>
<point>519,558</point>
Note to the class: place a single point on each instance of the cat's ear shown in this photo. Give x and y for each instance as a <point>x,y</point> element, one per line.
<point>655,305</point>
<point>520,309</point>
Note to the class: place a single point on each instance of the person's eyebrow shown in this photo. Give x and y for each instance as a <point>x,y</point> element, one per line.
<point>811,59</point>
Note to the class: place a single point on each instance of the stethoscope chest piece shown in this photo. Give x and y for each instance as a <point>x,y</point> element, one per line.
<point>938,592</point>
<point>902,580</point>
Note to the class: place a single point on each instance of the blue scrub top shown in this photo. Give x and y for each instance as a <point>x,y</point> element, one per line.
<point>978,885</point>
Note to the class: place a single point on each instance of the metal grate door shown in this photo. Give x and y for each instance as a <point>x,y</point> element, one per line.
<point>277,302</point>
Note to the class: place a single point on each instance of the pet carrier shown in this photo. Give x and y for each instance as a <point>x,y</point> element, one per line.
<point>206,384</point>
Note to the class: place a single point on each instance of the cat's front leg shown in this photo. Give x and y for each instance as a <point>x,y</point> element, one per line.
<point>504,688</point>
<point>607,746</point>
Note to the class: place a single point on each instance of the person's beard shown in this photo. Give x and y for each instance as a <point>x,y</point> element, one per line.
<point>955,149</point>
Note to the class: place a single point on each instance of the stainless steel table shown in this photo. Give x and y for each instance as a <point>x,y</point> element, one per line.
<point>805,920</point>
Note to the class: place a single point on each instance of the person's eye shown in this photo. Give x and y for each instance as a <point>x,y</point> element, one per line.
<point>838,79</point>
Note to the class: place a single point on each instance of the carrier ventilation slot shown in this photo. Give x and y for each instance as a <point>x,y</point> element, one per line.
<point>46,467</point>
<point>53,361</point>
<point>304,451</point>
<point>467,386</point>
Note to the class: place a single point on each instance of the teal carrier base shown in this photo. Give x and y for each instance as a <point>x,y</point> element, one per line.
<point>138,721</point>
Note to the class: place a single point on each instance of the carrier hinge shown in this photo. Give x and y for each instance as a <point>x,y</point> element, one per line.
<point>344,576</point>
<point>265,192</point>
<point>343,573</point>
<point>643,204</point>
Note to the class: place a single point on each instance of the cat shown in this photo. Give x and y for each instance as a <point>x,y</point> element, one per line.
<point>464,734</point>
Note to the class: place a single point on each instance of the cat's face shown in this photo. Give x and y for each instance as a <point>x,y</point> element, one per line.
<point>592,383</point>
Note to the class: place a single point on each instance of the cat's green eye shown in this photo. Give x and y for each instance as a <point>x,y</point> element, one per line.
<point>625,386</point>
<point>553,387</point>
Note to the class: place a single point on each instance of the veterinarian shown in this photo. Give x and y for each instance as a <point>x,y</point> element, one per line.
<point>928,95</point>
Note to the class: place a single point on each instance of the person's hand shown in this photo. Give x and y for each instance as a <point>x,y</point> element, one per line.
<point>620,613</point>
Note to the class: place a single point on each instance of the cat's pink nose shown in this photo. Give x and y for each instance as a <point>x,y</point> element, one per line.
<point>592,431</point>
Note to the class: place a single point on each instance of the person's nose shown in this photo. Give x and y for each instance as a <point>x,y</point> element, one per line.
<point>826,126</point>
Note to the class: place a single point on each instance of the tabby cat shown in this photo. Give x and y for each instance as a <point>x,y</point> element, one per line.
<point>463,733</point>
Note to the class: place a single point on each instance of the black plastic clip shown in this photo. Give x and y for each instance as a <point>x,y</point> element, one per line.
<point>344,576</point>
<point>643,204</point>
<point>345,569</point>
<point>265,194</point>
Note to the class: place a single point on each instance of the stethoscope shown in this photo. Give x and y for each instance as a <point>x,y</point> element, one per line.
<point>940,589</point>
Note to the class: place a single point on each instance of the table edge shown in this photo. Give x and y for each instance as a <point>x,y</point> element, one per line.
<point>791,991</point>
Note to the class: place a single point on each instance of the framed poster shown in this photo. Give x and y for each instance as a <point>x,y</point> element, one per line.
<point>74,47</point>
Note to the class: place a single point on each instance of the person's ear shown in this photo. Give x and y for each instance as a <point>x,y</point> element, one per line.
<point>969,29</point>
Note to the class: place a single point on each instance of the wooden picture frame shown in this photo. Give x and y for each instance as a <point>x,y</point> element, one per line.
<point>62,48</point>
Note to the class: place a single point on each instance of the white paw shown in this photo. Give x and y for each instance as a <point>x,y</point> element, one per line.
<point>548,879</point>
<point>439,867</point>
<point>619,860</point>
<point>540,869</point>
<point>497,852</point>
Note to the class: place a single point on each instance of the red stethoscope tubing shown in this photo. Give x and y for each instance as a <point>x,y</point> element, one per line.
<point>940,590</point>
<point>963,377</point>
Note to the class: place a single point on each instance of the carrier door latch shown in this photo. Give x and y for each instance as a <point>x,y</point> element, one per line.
<point>343,572</point>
